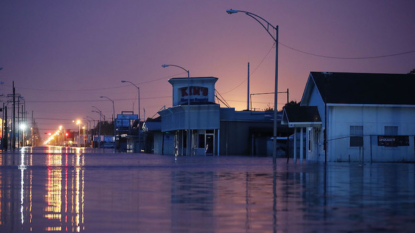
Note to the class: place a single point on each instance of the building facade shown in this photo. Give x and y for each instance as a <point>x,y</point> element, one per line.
<point>361,117</point>
<point>214,130</point>
<point>201,117</point>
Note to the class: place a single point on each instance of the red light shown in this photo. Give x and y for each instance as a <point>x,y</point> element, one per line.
<point>49,134</point>
<point>66,134</point>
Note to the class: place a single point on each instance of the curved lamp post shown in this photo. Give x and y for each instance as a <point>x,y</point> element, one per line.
<point>139,108</point>
<point>99,129</point>
<point>139,116</point>
<point>113,112</point>
<point>268,26</point>
<point>188,105</point>
<point>88,129</point>
<point>78,122</point>
<point>93,125</point>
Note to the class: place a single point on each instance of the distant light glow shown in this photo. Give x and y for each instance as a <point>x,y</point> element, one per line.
<point>22,126</point>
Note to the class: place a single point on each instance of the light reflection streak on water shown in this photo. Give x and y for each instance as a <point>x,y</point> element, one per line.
<point>54,187</point>
<point>22,168</point>
<point>57,184</point>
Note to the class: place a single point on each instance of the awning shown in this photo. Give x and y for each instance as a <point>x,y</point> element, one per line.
<point>301,116</point>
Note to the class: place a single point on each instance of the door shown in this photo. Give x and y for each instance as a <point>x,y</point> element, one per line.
<point>210,144</point>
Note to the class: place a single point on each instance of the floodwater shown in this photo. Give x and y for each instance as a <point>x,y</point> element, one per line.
<point>73,190</point>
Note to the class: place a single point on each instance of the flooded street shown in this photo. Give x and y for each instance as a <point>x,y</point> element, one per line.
<point>70,190</point>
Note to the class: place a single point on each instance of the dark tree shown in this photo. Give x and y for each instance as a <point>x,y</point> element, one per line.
<point>269,108</point>
<point>292,103</point>
<point>412,72</point>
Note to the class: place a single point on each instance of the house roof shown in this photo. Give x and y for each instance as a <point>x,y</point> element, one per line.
<point>301,116</point>
<point>365,88</point>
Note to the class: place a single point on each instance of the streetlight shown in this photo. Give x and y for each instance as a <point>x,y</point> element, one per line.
<point>266,25</point>
<point>78,122</point>
<point>88,128</point>
<point>99,130</point>
<point>83,127</point>
<point>139,108</point>
<point>113,112</point>
<point>139,117</point>
<point>188,105</point>
<point>20,119</point>
<point>23,127</point>
<point>93,126</point>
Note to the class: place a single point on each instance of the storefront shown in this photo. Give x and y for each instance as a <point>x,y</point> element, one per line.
<point>201,117</point>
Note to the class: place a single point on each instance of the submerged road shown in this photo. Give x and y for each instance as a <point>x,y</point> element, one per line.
<point>86,190</point>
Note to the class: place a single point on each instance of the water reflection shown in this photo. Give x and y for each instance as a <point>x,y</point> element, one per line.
<point>74,190</point>
<point>53,203</point>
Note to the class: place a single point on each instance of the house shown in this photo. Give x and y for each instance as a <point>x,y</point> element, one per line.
<point>356,117</point>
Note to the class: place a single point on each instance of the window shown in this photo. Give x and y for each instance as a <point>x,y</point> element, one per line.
<point>391,130</point>
<point>356,136</point>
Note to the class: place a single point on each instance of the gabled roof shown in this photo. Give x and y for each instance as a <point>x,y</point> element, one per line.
<point>301,116</point>
<point>365,88</point>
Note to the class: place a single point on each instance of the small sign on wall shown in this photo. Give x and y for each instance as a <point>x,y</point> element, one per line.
<point>393,141</point>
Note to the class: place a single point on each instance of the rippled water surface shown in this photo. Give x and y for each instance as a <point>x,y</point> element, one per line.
<point>70,190</point>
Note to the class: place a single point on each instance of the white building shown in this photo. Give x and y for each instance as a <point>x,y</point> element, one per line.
<point>201,116</point>
<point>356,117</point>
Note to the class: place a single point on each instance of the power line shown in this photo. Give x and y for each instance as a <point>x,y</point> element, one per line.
<point>347,58</point>
<point>325,56</point>
<point>96,89</point>
<point>86,101</point>
<point>273,45</point>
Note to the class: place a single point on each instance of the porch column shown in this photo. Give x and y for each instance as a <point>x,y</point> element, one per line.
<point>182,141</point>
<point>218,141</point>
<point>295,145</point>
<point>301,145</point>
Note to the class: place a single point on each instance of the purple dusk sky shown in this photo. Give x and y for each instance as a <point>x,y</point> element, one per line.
<point>64,55</point>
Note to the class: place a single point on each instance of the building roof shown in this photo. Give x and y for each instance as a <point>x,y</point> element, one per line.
<point>302,114</point>
<point>193,80</point>
<point>365,88</point>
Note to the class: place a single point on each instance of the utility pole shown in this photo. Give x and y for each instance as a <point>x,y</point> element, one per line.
<point>18,121</point>
<point>5,129</point>
<point>31,131</point>
<point>13,141</point>
<point>247,101</point>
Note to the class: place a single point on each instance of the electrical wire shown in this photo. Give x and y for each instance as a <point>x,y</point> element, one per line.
<point>324,56</point>
<point>86,101</point>
<point>273,46</point>
<point>347,58</point>
<point>96,89</point>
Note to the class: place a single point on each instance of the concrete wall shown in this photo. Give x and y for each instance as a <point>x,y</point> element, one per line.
<point>165,146</point>
<point>373,119</point>
<point>236,137</point>
<point>158,140</point>
<point>201,117</point>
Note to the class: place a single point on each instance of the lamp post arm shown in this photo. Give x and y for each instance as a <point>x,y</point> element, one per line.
<point>264,23</point>
<point>266,26</point>
<point>180,68</point>
<point>132,84</point>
